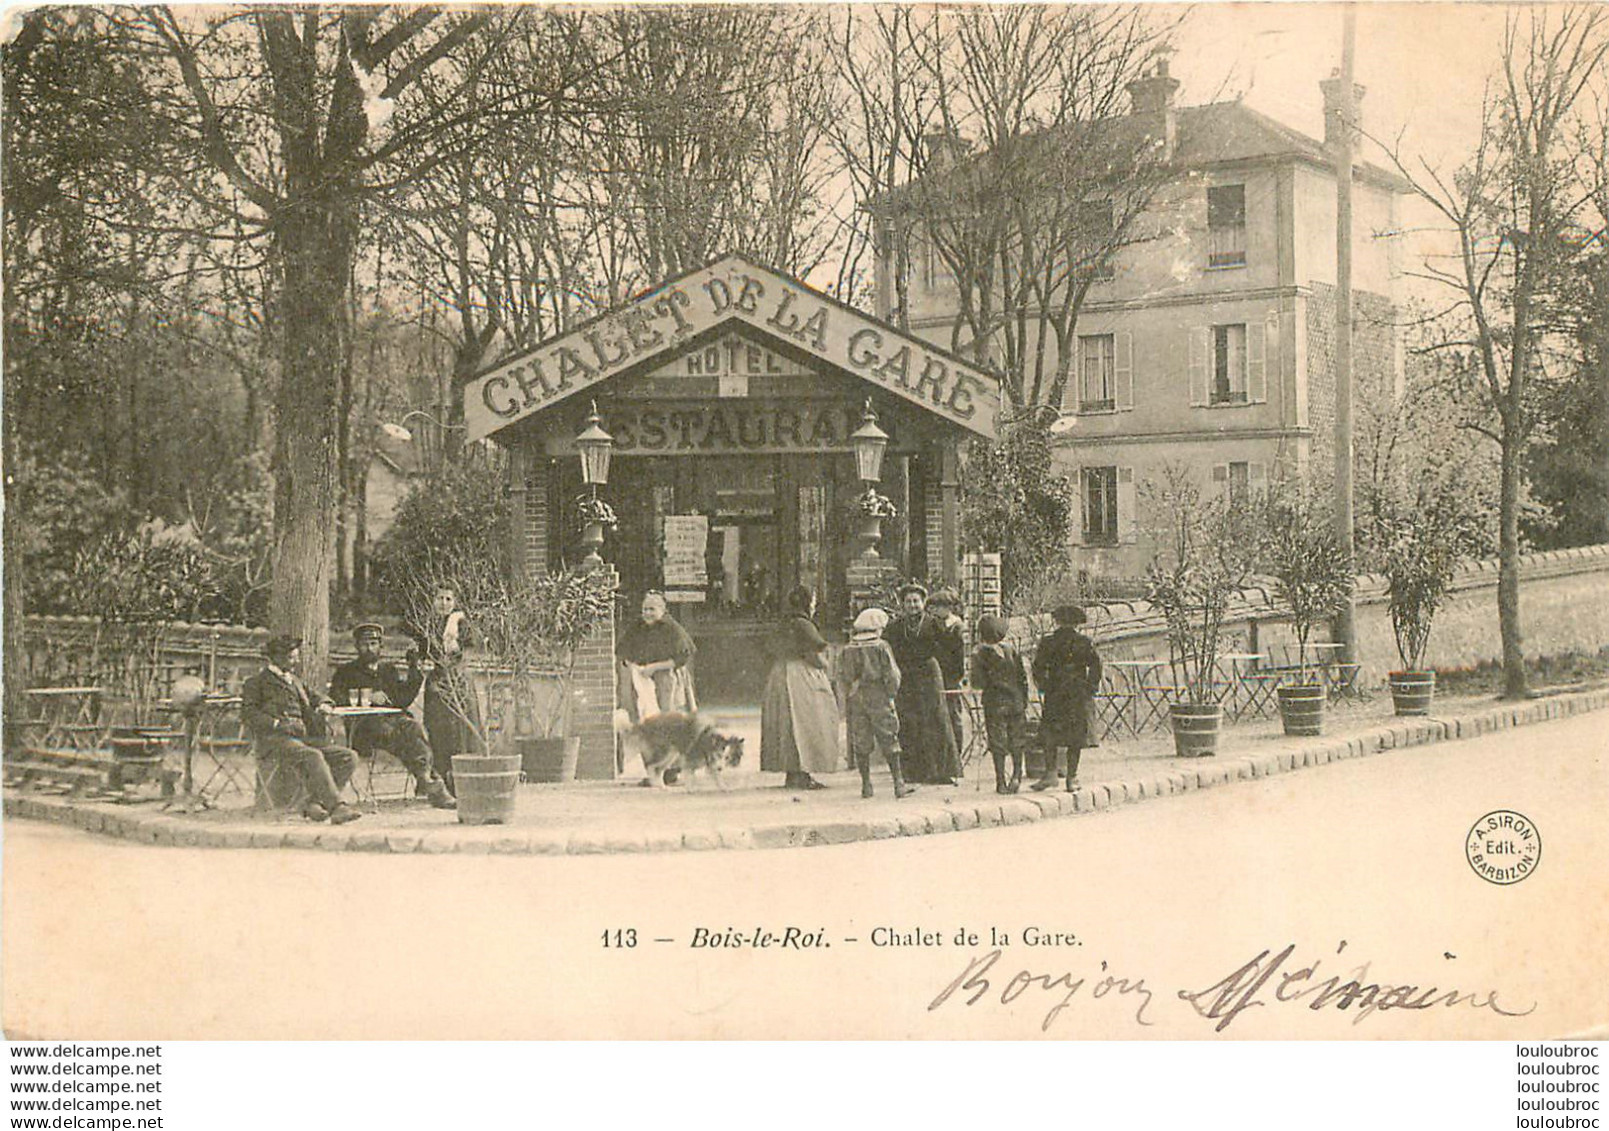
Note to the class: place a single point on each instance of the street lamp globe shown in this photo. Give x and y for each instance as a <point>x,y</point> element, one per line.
<point>870,442</point>
<point>595,446</point>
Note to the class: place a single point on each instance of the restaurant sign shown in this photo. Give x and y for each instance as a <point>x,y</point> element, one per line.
<point>731,290</point>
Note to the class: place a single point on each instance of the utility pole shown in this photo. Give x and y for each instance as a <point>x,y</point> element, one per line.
<point>1345,629</point>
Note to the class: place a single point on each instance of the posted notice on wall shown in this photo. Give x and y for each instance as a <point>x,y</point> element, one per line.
<point>686,539</point>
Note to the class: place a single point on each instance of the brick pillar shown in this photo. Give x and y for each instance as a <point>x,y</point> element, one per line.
<point>933,516</point>
<point>535,526</point>
<point>592,694</point>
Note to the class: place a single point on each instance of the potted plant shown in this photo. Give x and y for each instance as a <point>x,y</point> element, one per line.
<point>1205,551</point>
<point>1421,554</point>
<point>528,633</point>
<point>594,516</point>
<point>1312,574</point>
<point>869,509</point>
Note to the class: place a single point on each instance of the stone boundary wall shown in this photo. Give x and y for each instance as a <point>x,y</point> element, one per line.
<point>1564,607</point>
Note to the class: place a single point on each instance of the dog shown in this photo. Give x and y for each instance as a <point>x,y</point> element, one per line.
<point>674,741</point>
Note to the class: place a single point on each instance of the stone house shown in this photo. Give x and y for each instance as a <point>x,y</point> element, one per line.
<point>1210,343</point>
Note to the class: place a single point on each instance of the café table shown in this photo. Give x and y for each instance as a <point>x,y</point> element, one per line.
<point>67,717</point>
<point>203,720</point>
<point>365,792</point>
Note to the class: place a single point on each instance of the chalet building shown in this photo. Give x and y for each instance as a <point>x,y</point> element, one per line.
<point>1208,344</point>
<point>733,402</point>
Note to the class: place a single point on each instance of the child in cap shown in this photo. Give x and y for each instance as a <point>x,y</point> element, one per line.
<point>870,680</point>
<point>998,675</point>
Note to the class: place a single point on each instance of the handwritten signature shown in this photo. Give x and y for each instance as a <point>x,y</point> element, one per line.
<point>1249,987</point>
<point>973,978</point>
<point>1262,981</point>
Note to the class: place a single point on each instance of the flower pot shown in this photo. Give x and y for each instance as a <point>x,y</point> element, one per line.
<point>1412,692</point>
<point>486,787</point>
<point>549,759</point>
<point>1301,708</point>
<point>871,532</point>
<point>1195,728</point>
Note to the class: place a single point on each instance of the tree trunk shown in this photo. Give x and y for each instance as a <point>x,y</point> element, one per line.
<point>317,244</point>
<point>1508,572</point>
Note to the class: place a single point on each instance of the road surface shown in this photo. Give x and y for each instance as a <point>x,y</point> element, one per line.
<point>1358,862</point>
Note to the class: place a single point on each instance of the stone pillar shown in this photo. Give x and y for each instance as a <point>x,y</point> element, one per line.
<point>592,694</point>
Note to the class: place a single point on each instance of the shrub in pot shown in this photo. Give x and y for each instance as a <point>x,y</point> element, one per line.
<point>529,631</point>
<point>1205,553</point>
<point>1420,554</point>
<point>1312,575</point>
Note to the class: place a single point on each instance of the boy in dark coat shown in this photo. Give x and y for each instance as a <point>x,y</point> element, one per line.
<point>1067,671</point>
<point>998,675</point>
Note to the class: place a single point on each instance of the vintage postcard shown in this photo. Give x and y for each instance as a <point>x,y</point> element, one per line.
<point>806,521</point>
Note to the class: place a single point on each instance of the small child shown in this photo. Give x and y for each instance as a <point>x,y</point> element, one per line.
<point>870,680</point>
<point>998,675</point>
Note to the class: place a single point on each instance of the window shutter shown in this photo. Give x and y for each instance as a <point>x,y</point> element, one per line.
<point>1076,534</point>
<point>1220,479</point>
<point>1257,478</point>
<point>1128,517</point>
<point>1123,371</point>
<point>1256,363</point>
<point>1258,394</point>
<point>1200,348</point>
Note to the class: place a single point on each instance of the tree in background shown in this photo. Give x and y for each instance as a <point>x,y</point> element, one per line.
<point>1516,213</point>
<point>1013,502</point>
<point>1033,175</point>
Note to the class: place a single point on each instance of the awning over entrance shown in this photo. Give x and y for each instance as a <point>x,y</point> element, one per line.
<point>682,312</point>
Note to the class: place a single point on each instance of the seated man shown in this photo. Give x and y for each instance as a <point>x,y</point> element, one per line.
<point>387,687</point>
<point>287,723</point>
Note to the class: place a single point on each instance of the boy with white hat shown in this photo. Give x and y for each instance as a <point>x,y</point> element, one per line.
<point>870,679</point>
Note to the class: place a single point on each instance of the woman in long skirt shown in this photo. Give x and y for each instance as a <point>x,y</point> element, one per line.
<point>925,734</point>
<point>799,715</point>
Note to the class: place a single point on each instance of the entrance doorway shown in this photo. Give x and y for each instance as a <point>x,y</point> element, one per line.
<point>766,525</point>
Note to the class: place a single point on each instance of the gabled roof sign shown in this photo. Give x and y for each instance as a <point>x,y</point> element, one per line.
<point>732,289</point>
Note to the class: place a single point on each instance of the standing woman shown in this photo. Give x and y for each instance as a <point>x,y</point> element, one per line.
<point>799,714</point>
<point>1068,671</point>
<point>452,711</point>
<point>950,649</point>
<point>925,734</point>
<point>654,657</point>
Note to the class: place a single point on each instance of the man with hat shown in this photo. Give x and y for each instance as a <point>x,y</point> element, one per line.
<point>372,682</point>
<point>287,723</point>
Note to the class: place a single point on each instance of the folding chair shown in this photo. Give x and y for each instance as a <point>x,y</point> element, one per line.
<point>1343,680</point>
<point>278,787</point>
<point>379,764</point>
<point>1112,712</point>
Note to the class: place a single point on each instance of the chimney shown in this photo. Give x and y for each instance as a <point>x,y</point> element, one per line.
<point>943,147</point>
<point>1333,110</point>
<point>1151,100</point>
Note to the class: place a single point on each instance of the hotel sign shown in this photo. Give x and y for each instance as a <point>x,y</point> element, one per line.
<point>732,290</point>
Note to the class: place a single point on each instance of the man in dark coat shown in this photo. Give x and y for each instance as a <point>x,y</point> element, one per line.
<point>1067,671</point>
<point>372,682</point>
<point>287,723</point>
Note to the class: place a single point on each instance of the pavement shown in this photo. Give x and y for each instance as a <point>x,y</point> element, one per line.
<point>754,811</point>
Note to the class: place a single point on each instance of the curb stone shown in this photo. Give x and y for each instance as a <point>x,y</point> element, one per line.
<point>162,829</point>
